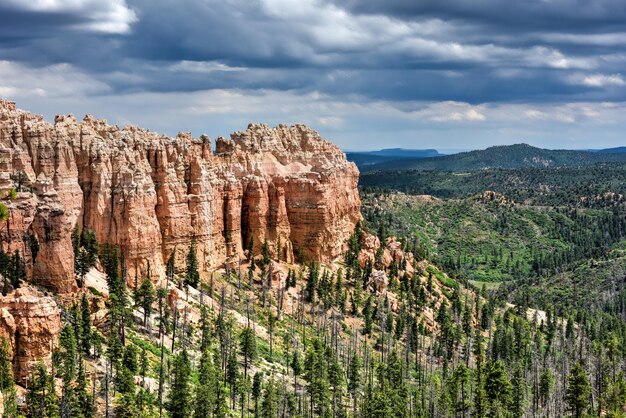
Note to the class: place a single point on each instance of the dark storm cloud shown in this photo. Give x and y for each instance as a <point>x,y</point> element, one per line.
<point>580,15</point>
<point>430,61</point>
<point>393,50</point>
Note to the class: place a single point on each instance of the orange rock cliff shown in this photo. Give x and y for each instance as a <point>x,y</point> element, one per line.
<point>151,194</point>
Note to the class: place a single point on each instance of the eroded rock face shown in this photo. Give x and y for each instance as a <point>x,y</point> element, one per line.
<point>31,323</point>
<point>392,251</point>
<point>378,281</point>
<point>151,194</point>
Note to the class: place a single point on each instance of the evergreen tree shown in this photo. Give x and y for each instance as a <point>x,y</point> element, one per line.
<point>578,392</point>
<point>67,343</point>
<point>257,387</point>
<point>232,375</point>
<point>7,385</point>
<point>192,276</point>
<point>179,403</point>
<point>546,383</point>
<point>41,400</point>
<point>85,325</point>
<point>519,391</point>
<point>311,285</point>
<point>126,406</point>
<point>84,397</point>
<point>269,407</point>
<point>354,379</point>
<point>146,296</point>
<point>316,374</point>
<point>498,389</point>
<point>206,389</point>
<point>460,390</point>
<point>480,397</point>
<point>248,347</point>
<point>170,269</point>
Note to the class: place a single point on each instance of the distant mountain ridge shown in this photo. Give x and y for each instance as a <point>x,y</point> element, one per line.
<point>404,152</point>
<point>501,156</point>
<point>368,159</point>
<point>616,150</point>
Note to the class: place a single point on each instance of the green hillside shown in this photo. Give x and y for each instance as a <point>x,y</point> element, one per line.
<point>489,238</point>
<point>505,156</point>
<point>598,185</point>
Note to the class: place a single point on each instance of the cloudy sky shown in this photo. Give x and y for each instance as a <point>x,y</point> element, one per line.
<point>368,74</point>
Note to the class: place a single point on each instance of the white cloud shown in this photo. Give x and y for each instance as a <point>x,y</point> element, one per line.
<point>59,80</point>
<point>329,121</point>
<point>320,31</point>
<point>601,80</point>
<point>108,16</point>
<point>451,112</point>
<point>596,80</point>
<point>597,39</point>
<point>203,67</point>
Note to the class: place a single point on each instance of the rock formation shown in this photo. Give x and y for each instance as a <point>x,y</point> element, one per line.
<point>31,323</point>
<point>392,251</point>
<point>378,281</point>
<point>151,194</point>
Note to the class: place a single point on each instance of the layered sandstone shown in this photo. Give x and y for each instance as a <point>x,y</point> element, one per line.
<point>31,323</point>
<point>151,194</point>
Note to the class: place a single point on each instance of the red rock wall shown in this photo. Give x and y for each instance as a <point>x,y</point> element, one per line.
<point>150,193</point>
<point>31,323</point>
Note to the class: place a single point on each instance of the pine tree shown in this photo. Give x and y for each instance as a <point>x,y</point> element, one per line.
<point>146,296</point>
<point>85,325</point>
<point>84,397</point>
<point>316,374</point>
<point>519,390</point>
<point>41,400</point>
<point>170,269</point>
<point>206,389</point>
<point>126,406</point>
<point>460,389</point>
<point>257,387</point>
<point>311,285</point>
<point>498,389</point>
<point>7,385</point>
<point>354,379</point>
<point>70,405</point>
<point>232,375</point>
<point>265,253</point>
<point>192,276</point>
<point>480,397</point>
<point>248,347</point>
<point>269,407</point>
<point>179,403</point>
<point>67,343</point>
<point>578,391</point>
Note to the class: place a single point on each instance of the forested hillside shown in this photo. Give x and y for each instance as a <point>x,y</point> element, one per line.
<point>503,156</point>
<point>598,185</point>
<point>382,333</point>
<point>488,237</point>
<point>546,241</point>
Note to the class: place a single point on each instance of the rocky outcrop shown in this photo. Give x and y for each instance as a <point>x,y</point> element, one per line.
<point>151,194</point>
<point>31,323</point>
<point>378,281</point>
<point>391,251</point>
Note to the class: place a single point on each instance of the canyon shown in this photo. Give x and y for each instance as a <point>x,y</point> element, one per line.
<point>153,195</point>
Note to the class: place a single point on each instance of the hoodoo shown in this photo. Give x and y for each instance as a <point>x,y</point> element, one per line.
<point>151,194</point>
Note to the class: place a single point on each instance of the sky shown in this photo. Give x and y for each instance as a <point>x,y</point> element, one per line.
<point>367,74</point>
